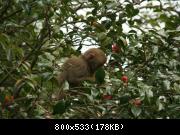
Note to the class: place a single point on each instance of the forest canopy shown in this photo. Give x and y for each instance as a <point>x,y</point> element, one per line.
<point>141,78</point>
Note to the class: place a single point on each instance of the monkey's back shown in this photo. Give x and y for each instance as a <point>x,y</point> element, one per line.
<point>76,69</point>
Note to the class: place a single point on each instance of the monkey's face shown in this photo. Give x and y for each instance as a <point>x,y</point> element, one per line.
<point>95,58</point>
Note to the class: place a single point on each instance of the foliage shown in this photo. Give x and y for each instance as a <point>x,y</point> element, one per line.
<point>35,36</point>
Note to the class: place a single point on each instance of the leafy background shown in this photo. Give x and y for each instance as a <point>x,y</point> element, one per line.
<point>36,36</point>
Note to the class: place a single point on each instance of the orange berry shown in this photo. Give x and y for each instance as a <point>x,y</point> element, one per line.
<point>8,99</point>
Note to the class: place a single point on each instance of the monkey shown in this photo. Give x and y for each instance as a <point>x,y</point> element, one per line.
<point>80,68</point>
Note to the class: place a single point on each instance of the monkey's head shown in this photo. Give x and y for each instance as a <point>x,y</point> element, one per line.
<point>95,58</point>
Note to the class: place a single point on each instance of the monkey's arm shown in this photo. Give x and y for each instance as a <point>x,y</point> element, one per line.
<point>61,78</point>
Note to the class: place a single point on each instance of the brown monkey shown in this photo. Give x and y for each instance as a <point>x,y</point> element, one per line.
<point>78,69</point>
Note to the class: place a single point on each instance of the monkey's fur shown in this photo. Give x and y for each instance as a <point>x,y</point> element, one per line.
<point>78,69</point>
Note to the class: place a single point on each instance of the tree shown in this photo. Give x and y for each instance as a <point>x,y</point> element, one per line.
<point>140,80</point>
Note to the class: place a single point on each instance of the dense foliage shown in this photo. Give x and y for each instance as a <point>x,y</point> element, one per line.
<point>141,78</point>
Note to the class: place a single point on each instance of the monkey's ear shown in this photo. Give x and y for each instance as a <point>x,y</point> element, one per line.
<point>90,56</point>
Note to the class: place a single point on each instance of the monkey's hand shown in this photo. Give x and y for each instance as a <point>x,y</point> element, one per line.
<point>88,78</point>
<point>91,78</point>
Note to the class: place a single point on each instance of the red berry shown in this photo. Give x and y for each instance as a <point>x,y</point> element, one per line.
<point>137,102</point>
<point>107,97</point>
<point>124,79</point>
<point>115,48</point>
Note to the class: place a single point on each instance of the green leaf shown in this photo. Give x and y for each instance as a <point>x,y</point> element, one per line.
<point>9,54</point>
<point>40,110</point>
<point>124,99</point>
<point>166,84</point>
<point>107,41</point>
<point>100,75</point>
<point>149,93</point>
<point>131,11</point>
<point>160,105</point>
<point>101,36</point>
<point>59,108</point>
<point>177,87</point>
<point>31,83</point>
<point>155,49</point>
<point>4,39</point>
<point>2,96</point>
<point>136,111</point>
<point>177,38</point>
